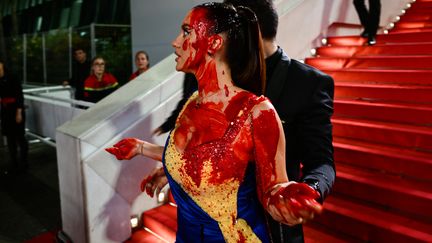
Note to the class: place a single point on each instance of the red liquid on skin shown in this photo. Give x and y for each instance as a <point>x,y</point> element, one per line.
<point>202,132</point>
<point>228,150</point>
<point>266,138</point>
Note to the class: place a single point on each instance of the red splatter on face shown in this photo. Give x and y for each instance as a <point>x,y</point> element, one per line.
<point>185,45</point>
<point>198,48</point>
<point>194,42</point>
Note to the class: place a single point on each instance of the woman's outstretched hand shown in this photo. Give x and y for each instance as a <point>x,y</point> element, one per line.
<point>126,148</point>
<point>294,203</point>
<point>154,182</point>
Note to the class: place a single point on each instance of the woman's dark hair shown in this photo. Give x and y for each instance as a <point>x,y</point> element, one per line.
<point>265,12</point>
<point>243,44</point>
<point>97,57</point>
<point>145,54</point>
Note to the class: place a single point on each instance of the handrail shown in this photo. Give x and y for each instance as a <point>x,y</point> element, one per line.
<point>32,93</point>
<point>47,89</point>
<point>69,101</point>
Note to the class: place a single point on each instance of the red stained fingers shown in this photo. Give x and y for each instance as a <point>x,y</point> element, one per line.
<point>125,149</point>
<point>301,198</point>
<point>147,186</point>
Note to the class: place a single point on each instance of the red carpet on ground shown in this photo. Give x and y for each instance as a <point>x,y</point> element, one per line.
<point>47,237</point>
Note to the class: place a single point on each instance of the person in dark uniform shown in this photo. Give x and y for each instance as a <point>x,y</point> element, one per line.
<point>13,118</point>
<point>369,18</point>
<point>303,98</point>
<point>80,71</point>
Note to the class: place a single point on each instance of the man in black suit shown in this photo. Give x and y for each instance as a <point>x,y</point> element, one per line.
<point>80,72</point>
<point>303,98</point>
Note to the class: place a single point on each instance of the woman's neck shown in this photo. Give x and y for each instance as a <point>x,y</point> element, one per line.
<point>99,76</point>
<point>212,78</point>
<point>142,70</point>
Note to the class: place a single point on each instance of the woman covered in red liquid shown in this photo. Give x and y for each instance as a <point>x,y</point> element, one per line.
<point>225,158</point>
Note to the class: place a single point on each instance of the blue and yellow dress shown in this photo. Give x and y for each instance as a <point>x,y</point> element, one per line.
<point>215,188</point>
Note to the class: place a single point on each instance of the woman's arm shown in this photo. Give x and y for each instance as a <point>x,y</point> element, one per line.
<point>128,148</point>
<point>287,202</point>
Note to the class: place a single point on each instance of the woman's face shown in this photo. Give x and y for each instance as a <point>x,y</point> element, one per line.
<point>141,61</point>
<point>98,66</point>
<point>191,44</point>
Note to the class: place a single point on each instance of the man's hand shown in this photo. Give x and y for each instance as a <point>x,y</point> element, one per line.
<point>294,203</point>
<point>154,182</point>
<point>126,149</point>
<point>18,116</point>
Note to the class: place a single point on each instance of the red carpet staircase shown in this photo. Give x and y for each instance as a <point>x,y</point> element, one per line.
<point>382,139</point>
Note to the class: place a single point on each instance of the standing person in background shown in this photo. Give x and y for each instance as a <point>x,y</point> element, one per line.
<point>225,158</point>
<point>80,71</point>
<point>142,63</point>
<point>13,118</point>
<point>100,83</point>
<point>369,18</point>
<point>303,98</point>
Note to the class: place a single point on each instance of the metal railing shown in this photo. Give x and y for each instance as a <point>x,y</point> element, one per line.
<point>49,107</point>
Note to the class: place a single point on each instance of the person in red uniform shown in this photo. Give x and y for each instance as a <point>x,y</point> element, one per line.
<point>142,63</point>
<point>100,83</point>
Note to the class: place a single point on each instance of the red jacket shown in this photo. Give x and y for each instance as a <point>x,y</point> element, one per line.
<point>95,90</point>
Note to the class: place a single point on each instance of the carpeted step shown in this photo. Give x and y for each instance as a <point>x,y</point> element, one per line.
<point>417,37</point>
<point>415,114</point>
<point>418,9</point>
<point>369,224</point>
<point>413,24</point>
<point>394,134</point>
<point>411,31</point>
<point>421,5</point>
<point>411,77</point>
<point>409,197</point>
<point>389,159</point>
<point>415,17</point>
<point>162,221</point>
<point>372,62</point>
<point>314,233</point>
<point>415,11</point>
<point>145,236</point>
<point>384,92</point>
<point>422,48</point>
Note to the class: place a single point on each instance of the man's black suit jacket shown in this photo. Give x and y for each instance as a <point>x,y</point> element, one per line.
<point>303,98</point>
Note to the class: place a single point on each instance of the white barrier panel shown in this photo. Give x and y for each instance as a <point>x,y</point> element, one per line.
<point>47,111</point>
<point>98,193</point>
